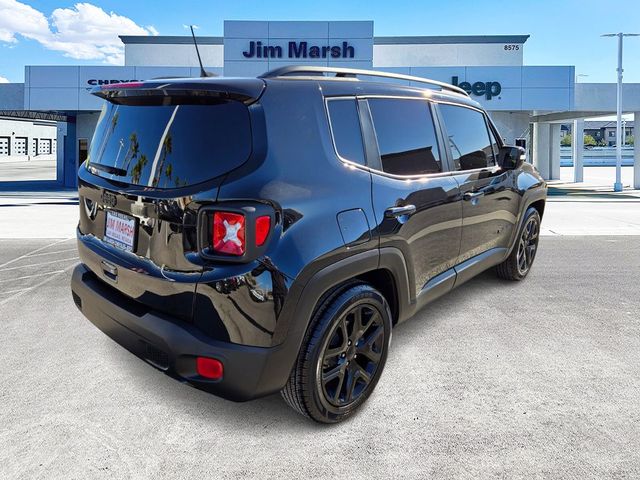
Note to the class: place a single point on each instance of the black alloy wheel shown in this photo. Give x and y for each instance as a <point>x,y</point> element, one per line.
<point>342,356</point>
<point>519,262</point>
<point>352,354</point>
<point>528,245</point>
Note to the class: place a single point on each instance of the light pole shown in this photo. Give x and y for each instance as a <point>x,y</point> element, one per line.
<point>617,187</point>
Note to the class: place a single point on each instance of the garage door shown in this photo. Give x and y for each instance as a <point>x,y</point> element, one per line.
<point>20,146</point>
<point>44,146</point>
<point>4,145</point>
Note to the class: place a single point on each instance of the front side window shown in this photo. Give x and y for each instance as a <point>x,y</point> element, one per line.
<point>469,139</point>
<point>406,136</point>
<point>494,143</point>
<point>345,128</point>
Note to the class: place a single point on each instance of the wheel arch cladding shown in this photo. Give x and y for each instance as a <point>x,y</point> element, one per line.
<point>383,280</point>
<point>539,206</point>
<point>385,270</point>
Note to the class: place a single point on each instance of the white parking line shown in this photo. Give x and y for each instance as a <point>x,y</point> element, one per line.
<point>53,253</point>
<point>34,251</point>
<point>47,280</point>
<point>15,291</point>
<point>37,264</point>
<point>33,276</point>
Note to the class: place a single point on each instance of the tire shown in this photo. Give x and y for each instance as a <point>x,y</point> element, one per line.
<point>516,266</point>
<point>342,356</point>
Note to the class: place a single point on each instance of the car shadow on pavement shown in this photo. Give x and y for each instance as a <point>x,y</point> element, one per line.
<point>202,405</point>
<point>272,412</point>
<point>435,312</point>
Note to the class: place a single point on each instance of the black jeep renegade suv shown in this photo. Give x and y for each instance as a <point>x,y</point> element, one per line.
<point>249,236</point>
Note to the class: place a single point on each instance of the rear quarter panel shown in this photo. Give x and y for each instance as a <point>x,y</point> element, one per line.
<point>532,188</point>
<point>300,175</point>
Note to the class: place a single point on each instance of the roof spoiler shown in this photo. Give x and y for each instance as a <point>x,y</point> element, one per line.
<point>246,90</point>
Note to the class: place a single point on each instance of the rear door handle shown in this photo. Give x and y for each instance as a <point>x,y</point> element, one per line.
<point>468,196</point>
<point>395,212</point>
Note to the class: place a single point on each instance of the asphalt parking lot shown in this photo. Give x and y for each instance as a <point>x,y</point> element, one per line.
<point>538,379</point>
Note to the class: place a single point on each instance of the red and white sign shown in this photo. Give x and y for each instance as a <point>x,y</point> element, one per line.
<point>120,230</point>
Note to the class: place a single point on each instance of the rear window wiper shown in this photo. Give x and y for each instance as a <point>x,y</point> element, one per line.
<point>120,172</point>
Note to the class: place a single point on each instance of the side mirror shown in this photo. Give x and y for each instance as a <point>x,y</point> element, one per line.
<point>510,158</point>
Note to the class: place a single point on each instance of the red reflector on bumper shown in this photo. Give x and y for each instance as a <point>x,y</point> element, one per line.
<point>209,368</point>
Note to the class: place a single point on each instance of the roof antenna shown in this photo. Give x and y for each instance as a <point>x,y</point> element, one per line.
<point>203,72</point>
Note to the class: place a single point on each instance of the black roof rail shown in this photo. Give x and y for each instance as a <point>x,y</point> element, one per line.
<point>354,72</point>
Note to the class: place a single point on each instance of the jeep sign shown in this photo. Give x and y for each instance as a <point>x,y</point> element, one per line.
<point>479,89</point>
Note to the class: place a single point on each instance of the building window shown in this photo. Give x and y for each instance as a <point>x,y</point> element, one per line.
<point>20,145</point>
<point>4,146</point>
<point>44,146</point>
<point>83,150</point>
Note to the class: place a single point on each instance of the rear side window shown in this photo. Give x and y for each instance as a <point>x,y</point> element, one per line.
<point>469,139</point>
<point>170,146</point>
<point>345,128</point>
<point>406,136</point>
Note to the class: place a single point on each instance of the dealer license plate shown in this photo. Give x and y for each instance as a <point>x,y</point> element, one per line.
<point>120,230</point>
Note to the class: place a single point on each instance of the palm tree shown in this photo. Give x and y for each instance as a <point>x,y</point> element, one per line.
<point>167,148</point>
<point>136,171</point>
<point>134,149</point>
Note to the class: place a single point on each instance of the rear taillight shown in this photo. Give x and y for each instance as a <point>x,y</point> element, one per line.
<point>229,233</point>
<point>235,231</point>
<point>263,225</point>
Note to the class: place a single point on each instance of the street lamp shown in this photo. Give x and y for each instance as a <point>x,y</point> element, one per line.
<point>580,75</point>
<point>617,187</point>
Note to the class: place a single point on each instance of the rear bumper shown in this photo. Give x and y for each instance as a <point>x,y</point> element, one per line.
<point>172,345</point>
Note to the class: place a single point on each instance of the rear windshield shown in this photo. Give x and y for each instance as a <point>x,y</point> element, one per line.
<point>170,146</point>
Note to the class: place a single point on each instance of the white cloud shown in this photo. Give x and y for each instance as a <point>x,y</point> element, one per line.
<point>84,32</point>
<point>16,17</point>
<point>3,80</point>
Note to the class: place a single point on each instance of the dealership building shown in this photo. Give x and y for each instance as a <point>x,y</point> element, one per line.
<point>527,102</point>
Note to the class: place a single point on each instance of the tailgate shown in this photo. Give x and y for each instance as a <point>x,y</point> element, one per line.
<point>156,148</point>
<point>159,267</point>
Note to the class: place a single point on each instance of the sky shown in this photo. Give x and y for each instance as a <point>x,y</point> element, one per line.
<point>46,32</point>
